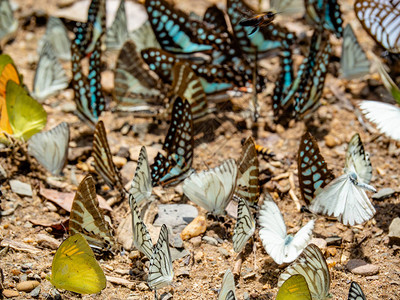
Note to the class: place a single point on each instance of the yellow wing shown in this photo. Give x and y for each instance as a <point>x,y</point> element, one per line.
<point>295,288</point>
<point>26,115</point>
<point>75,268</point>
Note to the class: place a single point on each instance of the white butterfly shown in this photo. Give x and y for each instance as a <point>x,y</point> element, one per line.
<point>212,189</point>
<point>161,271</point>
<point>117,34</point>
<point>8,24</point>
<point>353,62</point>
<point>227,291</point>
<point>141,186</point>
<point>345,196</point>
<point>312,265</point>
<point>50,76</point>
<point>355,292</point>
<point>141,236</point>
<point>245,226</point>
<point>50,148</point>
<point>57,35</point>
<point>281,247</point>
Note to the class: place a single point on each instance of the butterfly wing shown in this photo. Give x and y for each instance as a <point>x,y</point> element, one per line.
<point>103,162</point>
<point>8,24</point>
<point>57,35</point>
<point>247,185</point>
<point>245,226</point>
<point>141,186</point>
<point>312,265</point>
<point>141,236</point>
<point>295,287</point>
<point>161,272</point>
<point>87,219</point>
<point>326,14</point>
<point>117,34</point>
<point>313,170</point>
<point>388,82</point>
<point>298,242</point>
<point>344,200</point>
<point>353,62</point>
<point>50,76</point>
<point>50,148</point>
<point>25,114</point>
<point>355,292</point>
<point>357,158</point>
<point>214,188</point>
<point>227,287</point>
<point>216,17</point>
<point>385,116</point>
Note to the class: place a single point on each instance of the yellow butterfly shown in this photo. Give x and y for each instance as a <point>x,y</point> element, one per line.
<point>295,288</point>
<point>75,268</point>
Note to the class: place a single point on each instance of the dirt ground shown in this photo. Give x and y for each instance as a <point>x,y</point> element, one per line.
<point>200,275</point>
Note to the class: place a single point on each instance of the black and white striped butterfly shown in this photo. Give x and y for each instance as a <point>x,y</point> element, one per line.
<point>353,62</point>
<point>141,186</point>
<point>50,77</point>
<point>117,34</point>
<point>227,291</point>
<point>312,265</point>
<point>214,188</point>
<point>381,19</point>
<point>283,248</point>
<point>161,272</point>
<point>50,148</point>
<point>103,162</point>
<point>8,24</point>
<point>345,197</point>
<point>88,219</point>
<point>245,226</point>
<point>355,292</point>
<point>141,237</point>
<point>57,35</point>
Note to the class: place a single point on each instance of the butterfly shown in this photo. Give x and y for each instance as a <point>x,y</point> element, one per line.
<point>216,18</point>
<point>8,24</point>
<point>326,14</point>
<point>258,20</point>
<point>88,35</point>
<point>384,115</point>
<point>287,7</point>
<point>144,37</point>
<point>57,35</point>
<point>312,265</point>
<point>295,287</point>
<point>227,291</point>
<point>245,226</point>
<point>75,268</point>
<point>88,97</point>
<point>141,236</point>
<point>212,189</point>
<point>281,247</point>
<point>353,62</point>
<point>247,185</point>
<point>141,185</point>
<point>87,219</point>
<point>50,148</point>
<point>380,19</point>
<point>345,196</point>
<point>188,86</point>
<point>261,150</point>
<point>117,34</point>
<point>50,76</point>
<point>355,292</point>
<point>264,40</point>
<point>312,168</point>
<point>178,145</point>
<point>103,162</point>
<point>25,115</point>
<point>134,84</point>
<point>161,271</point>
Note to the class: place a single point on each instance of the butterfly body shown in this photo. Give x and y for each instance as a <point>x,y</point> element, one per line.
<point>258,21</point>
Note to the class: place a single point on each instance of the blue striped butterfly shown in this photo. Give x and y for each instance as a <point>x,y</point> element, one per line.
<point>8,24</point>
<point>353,62</point>
<point>326,14</point>
<point>117,34</point>
<point>50,77</point>
<point>216,18</point>
<point>380,18</point>
<point>88,97</point>
<point>103,162</point>
<point>355,292</point>
<point>312,265</point>
<point>178,144</point>
<point>264,40</point>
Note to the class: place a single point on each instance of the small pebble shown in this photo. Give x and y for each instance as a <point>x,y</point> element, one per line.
<point>21,188</point>
<point>330,141</point>
<point>224,252</point>
<point>210,240</point>
<point>27,286</point>
<point>196,241</point>
<point>10,293</point>
<point>383,194</point>
<point>198,257</point>
<point>35,292</point>
<point>321,243</point>
<point>195,228</point>
<point>394,231</point>
<point>360,267</point>
<point>142,287</point>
